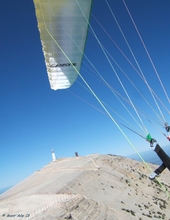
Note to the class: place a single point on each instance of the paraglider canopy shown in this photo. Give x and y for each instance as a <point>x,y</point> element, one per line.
<point>63,28</point>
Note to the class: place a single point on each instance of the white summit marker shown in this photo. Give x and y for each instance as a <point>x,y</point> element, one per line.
<point>53,155</point>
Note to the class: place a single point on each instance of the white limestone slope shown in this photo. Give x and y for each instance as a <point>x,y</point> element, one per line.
<point>94,187</point>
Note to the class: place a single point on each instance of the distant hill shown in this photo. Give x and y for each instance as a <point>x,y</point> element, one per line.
<point>150,156</point>
<point>94,187</point>
<point>4,189</point>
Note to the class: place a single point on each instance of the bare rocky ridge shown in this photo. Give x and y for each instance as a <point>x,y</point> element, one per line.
<point>95,187</point>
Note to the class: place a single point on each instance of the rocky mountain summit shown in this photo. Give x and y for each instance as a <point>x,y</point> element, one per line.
<point>93,187</point>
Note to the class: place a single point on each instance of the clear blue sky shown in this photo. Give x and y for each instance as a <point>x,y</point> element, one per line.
<point>35,118</point>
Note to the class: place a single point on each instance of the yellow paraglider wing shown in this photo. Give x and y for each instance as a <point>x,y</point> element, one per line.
<point>63,28</point>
